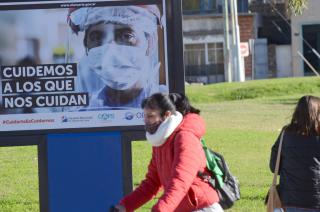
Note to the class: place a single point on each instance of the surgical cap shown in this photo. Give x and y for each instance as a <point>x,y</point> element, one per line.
<point>143,17</point>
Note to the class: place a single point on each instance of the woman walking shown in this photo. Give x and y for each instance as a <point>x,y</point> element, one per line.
<point>299,187</point>
<point>177,156</point>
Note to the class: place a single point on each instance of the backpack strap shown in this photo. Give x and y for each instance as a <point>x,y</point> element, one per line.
<point>212,166</point>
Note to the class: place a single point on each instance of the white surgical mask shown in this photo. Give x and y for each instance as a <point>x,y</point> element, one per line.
<point>120,67</point>
<point>86,80</point>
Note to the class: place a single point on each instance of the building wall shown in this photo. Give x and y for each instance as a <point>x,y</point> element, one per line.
<point>272,61</point>
<point>209,28</point>
<point>310,16</point>
<point>284,60</point>
<point>247,32</point>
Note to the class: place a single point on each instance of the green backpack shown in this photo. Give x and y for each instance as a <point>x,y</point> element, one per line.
<point>221,179</point>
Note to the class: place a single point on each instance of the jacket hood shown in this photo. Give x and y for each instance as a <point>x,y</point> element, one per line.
<point>194,123</point>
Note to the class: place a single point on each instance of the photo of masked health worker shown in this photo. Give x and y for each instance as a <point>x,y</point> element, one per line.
<point>121,65</point>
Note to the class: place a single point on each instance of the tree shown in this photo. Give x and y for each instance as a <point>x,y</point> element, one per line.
<point>297,6</point>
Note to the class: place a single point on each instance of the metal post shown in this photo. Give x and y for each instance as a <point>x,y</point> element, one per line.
<point>240,60</point>
<point>308,63</point>
<point>233,42</point>
<point>175,46</point>
<point>226,46</point>
<point>252,50</point>
<point>238,68</point>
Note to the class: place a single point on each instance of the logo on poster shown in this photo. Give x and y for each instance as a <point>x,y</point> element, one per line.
<point>140,115</point>
<point>64,119</point>
<point>106,116</point>
<point>128,115</point>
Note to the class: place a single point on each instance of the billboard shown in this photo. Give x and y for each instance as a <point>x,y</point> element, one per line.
<point>75,64</point>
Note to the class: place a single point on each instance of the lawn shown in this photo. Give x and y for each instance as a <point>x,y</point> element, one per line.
<point>243,121</point>
<point>19,179</point>
<point>243,127</point>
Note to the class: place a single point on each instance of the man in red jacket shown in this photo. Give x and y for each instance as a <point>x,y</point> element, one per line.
<point>177,156</point>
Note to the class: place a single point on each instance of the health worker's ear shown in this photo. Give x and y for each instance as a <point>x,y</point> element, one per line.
<point>85,42</point>
<point>151,44</point>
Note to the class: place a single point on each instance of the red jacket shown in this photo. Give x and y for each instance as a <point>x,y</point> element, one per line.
<point>174,167</point>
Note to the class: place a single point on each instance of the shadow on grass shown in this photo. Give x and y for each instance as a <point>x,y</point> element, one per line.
<point>255,197</point>
<point>12,202</point>
<point>286,101</point>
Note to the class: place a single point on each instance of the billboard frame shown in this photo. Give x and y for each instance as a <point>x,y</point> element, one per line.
<point>128,133</point>
<point>175,71</point>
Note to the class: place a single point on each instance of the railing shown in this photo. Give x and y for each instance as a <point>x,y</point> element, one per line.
<point>202,12</point>
<point>205,73</point>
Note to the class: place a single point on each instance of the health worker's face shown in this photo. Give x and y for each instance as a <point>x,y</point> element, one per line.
<point>118,55</point>
<point>100,34</point>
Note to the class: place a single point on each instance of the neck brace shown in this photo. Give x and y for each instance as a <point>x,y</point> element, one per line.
<point>165,130</point>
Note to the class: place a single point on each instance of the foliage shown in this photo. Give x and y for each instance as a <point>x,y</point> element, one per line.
<point>297,6</point>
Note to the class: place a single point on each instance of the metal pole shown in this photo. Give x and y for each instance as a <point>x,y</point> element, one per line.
<point>308,63</point>
<point>232,22</point>
<point>226,46</point>
<point>237,56</point>
<point>233,42</point>
<point>251,44</point>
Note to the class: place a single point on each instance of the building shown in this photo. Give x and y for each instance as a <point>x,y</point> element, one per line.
<point>264,31</point>
<point>274,29</point>
<point>306,40</point>
<point>203,36</point>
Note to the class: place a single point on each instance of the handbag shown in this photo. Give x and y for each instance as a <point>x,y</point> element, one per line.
<point>273,199</point>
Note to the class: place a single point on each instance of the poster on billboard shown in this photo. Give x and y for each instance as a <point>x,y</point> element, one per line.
<point>72,64</point>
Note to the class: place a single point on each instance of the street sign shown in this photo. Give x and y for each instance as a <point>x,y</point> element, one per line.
<point>244,49</point>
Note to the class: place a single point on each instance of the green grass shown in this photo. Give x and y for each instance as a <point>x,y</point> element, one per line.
<point>253,89</point>
<point>243,131</point>
<point>19,179</point>
<point>243,127</point>
<point>242,119</point>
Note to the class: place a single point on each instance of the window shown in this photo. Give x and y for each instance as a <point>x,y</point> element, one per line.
<point>199,6</point>
<point>194,54</point>
<point>311,34</point>
<point>191,5</point>
<point>208,6</point>
<point>279,1</point>
<point>243,6</point>
<point>269,1</point>
<point>215,53</point>
<point>204,62</point>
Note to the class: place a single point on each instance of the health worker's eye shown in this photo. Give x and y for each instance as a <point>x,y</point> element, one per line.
<point>96,38</point>
<point>126,37</point>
